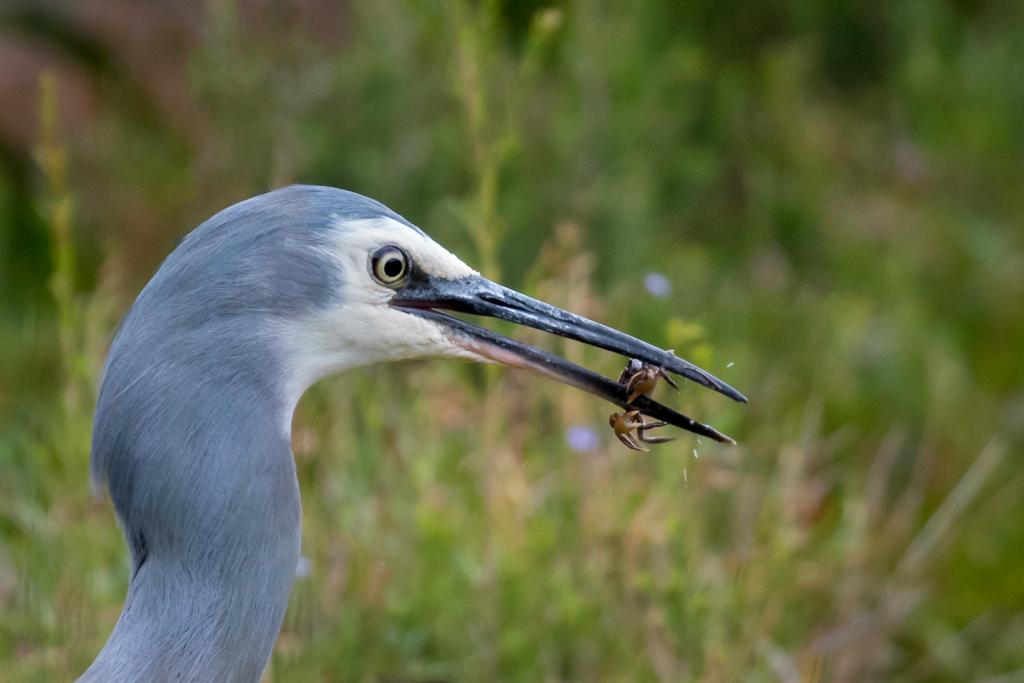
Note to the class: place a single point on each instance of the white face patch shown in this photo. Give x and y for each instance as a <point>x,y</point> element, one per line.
<point>360,238</point>
<point>363,329</point>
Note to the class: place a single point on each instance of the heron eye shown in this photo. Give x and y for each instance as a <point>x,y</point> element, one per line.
<point>389,265</point>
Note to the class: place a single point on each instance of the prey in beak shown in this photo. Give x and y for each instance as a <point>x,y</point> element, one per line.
<point>433,297</point>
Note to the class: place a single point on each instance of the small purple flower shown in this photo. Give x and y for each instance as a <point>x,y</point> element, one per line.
<point>657,285</point>
<point>582,439</point>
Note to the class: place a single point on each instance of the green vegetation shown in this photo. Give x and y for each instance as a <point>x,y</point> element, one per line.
<point>834,191</point>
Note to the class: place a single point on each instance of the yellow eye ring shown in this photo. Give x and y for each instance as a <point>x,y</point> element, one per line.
<point>389,266</point>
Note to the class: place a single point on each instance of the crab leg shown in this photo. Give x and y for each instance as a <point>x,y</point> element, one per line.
<point>630,443</point>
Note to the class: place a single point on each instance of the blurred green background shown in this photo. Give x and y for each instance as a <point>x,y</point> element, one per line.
<point>823,203</point>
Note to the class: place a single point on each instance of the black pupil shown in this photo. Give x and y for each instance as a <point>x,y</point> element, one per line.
<point>393,267</point>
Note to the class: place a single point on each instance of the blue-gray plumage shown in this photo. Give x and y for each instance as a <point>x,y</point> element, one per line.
<point>192,427</point>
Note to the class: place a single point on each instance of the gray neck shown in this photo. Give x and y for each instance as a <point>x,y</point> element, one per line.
<point>181,626</point>
<point>205,488</point>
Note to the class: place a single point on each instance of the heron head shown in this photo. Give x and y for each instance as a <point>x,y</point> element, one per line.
<point>272,294</point>
<point>397,291</point>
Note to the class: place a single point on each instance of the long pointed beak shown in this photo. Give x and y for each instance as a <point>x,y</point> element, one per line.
<point>429,296</point>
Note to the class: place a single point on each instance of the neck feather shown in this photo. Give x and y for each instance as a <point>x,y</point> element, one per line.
<point>205,488</point>
<point>179,626</point>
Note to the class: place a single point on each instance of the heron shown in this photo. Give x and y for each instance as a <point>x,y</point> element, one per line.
<point>192,429</point>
